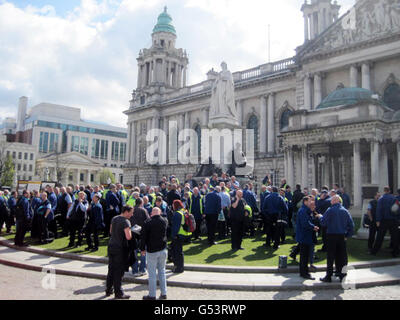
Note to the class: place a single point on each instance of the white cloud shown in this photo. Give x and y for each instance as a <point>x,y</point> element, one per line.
<point>87,57</point>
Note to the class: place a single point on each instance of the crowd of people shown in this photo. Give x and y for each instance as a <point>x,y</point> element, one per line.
<point>140,222</point>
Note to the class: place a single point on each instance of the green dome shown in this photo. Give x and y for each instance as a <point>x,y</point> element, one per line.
<point>346,97</point>
<point>164,23</point>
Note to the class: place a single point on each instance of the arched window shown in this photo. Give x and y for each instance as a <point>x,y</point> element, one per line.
<point>392,96</point>
<point>253,124</point>
<point>284,121</point>
<point>198,133</point>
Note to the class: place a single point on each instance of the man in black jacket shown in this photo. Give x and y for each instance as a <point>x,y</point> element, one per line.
<point>154,243</point>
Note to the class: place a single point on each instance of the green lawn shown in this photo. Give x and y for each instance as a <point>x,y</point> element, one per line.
<point>255,254</point>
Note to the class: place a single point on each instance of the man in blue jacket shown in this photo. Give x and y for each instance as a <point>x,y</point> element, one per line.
<point>251,199</point>
<point>94,224</point>
<point>23,217</point>
<point>386,220</point>
<point>274,208</point>
<point>304,236</point>
<point>112,205</point>
<point>212,208</point>
<point>340,226</point>
<point>322,205</point>
<point>196,207</point>
<point>51,196</point>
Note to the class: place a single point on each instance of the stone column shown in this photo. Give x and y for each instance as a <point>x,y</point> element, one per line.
<point>290,177</point>
<point>88,178</point>
<point>139,79</point>
<point>353,76</point>
<point>263,125</point>
<point>184,76</point>
<point>306,37</point>
<point>179,76</point>
<point>205,117</point>
<point>304,166</point>
<point>317,89</point>
<point>366,76</point>
<point>271,123</point>
<point>239,107</point>
<point>357,174</point>
<point>78,176</point>
<point>384,175</point>
<point>320,24</point>
<point>129,146</point>
<point>164,157</point>
<point>312,29</point>
<point>307,92</point>
<point>374,162</point>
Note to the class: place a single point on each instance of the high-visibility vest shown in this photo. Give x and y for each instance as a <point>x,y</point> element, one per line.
<point>105,193</point>
<point>125,194</point>
<point>182,231</point>
<point>201,203</point>
<point>153,198</point>
<point>131,202</point>
<point>248,208</point>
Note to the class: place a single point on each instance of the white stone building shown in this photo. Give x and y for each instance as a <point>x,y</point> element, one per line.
<point>65,143</point>
<point>330,114</point>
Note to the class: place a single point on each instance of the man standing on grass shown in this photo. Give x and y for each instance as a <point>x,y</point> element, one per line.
<point>23,218</point>
<point>237,216</point>
<point>211,211</point>
<point>121,233</point>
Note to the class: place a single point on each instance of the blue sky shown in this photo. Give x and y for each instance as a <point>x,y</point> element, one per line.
<point>82,53</point>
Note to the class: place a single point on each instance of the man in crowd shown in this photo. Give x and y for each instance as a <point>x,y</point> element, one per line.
<point>139,217</point>
<point>4,212</point>
<point>386,220</point>
<point>23,216</point>
<point>120,230</point>
<point>304,236</point>
<point>211,211</point>
<point>322,205</point>
<point>43,212</point>
<point>373,229</point>
<point>274,209</point>
<point>76,218</point>
<point>153,244</point>
<point>95,223</point>
<point>237,216</point>
<point>195,207</point>
<point>64,204</point>
<point>340,226</point>
<point>113,204</point>
<point>12,205</point>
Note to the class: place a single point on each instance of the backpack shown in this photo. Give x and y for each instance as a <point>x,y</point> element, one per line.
<point>190,222</point>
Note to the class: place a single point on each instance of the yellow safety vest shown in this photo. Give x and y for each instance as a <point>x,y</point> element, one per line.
<point>125,194</point>
<point>182,231</point>
<point>131,202</point>
<point>153,198</point>
<point>105,193</point>
<point>201,203</point>
<point>248,208</point>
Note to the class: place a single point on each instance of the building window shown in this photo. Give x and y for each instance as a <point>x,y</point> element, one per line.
<point>253,124</point>
<point>14,154</point>
<point>81,177</point>
<point>104,150</point>
<point>24,167</point>
<point>25,156</point>
<point>19,167</point>
<point>142,100</point>
<point>91,177</point>
<point>95,148</point>
<point>122,154</point>
<point>31,158</point>
<point>392,96</point>
<point>75,144</point>
<point>198,133</point>
<point>19,155</point>
<point>284,121</point>
<point>53,142</point>
<point>44,142</point>
<point>8,154</point>
<point>115,150</point>
<point>30,168</point>
<point>84,147</point>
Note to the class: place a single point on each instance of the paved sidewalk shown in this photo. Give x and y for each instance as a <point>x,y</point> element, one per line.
<point>208,280</point>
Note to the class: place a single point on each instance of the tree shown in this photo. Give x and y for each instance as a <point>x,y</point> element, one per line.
<point>104,175</point>
<point>7,172</point>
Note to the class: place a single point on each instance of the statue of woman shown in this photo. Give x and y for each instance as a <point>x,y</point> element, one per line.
<point>223,95</point>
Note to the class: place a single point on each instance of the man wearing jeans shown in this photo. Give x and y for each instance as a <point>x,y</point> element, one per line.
<point>154,242</point>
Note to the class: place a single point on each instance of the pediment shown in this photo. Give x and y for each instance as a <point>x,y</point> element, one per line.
<point>71,158</point>
<point>367,20</point>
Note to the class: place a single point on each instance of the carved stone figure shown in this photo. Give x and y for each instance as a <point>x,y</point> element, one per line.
<point>223,95</point>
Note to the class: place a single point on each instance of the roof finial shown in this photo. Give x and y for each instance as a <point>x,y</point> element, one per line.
<point>165,9</point>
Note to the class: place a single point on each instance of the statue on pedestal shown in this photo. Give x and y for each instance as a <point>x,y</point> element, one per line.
<point>223,96</point>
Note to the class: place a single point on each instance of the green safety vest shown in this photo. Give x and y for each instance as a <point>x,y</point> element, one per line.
<point>125,194</point>
<point>248,208</point>
<point>131,202</point>
<point>105,193</point>
<point>182,231</point>
<point>201,203</point>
